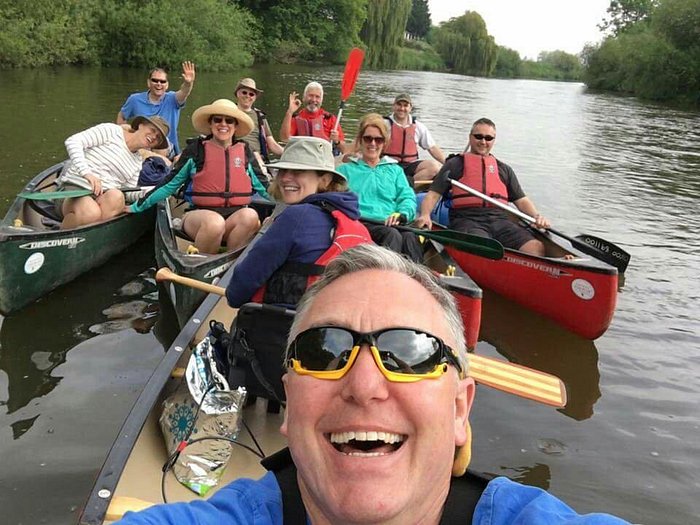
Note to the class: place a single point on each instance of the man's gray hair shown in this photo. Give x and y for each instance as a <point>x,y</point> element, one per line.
<point>313,85</point>
<point>372,257</point>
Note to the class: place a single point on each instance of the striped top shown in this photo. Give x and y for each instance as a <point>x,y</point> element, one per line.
<point>102,151</point>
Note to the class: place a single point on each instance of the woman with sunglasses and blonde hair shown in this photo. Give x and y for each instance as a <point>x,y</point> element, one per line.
<point>220,175</point>
<point>386,199</point>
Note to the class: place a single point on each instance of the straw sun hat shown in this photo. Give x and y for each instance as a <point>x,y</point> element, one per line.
<point>225,107</point>
<point>308,153</point>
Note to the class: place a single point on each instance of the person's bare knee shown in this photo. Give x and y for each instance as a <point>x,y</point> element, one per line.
<point>533,247</point>
<point>427,170</point>
<point>111,203</point>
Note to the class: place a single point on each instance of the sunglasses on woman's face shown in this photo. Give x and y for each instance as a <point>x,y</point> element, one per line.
<point>159,81</point>
<point>247,93</point>
<point>368,139</point>
<point>479,136</point>
<point>403,355</point>
<point>219,120</point>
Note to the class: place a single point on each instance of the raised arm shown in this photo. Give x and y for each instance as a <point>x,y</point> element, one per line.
<point>188,74</point>
<point>286,127</point>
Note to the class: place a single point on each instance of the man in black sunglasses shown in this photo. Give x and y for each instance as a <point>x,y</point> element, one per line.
<point>477,168</point>
<point>377,432</point>
<point>157,100</point>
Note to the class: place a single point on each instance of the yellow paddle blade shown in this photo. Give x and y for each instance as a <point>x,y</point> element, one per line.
<point>519,380</point>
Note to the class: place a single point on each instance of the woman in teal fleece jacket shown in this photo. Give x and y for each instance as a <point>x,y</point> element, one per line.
<point>385,195</point>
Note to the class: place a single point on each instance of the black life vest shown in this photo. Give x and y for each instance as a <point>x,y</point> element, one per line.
<point>262,139</point>
<point>222,181</point>
<point>402,143</point>
<point>461,502</point>
<point>289,282</point>
<point>480,173</point>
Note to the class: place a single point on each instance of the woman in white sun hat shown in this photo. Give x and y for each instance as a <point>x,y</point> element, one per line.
<point>220,175</point>
<point>321,220</point>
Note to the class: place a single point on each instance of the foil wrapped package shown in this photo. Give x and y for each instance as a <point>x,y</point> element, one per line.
<point>201,465</point>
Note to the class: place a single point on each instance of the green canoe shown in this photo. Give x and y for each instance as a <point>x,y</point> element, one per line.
<point>36,257</point>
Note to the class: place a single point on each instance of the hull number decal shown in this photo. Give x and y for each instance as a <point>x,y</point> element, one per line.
<point>33,263</point>
<point>583,289</point>
<point>70,243</point>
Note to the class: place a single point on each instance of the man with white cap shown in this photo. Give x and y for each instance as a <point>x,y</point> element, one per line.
<point>260,139</point>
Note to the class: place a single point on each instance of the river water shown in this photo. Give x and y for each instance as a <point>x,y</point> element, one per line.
<point>72,364</point>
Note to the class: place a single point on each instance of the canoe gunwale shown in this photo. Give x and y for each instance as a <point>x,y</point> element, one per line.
<point>116,460</point>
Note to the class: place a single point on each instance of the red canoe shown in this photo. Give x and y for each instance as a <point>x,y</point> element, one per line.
<point>579,294</point>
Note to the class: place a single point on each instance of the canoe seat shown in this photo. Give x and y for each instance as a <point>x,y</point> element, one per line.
<point>45,208</point>
<point>256,351</point>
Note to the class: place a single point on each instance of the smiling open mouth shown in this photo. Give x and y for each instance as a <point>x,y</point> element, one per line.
<point>368,443</point>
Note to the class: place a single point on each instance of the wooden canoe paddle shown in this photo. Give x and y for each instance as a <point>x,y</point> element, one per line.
<point>594,246</point>
<point>352,70</point>
<point>502,375</point>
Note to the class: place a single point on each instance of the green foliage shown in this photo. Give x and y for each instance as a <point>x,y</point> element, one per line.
<point>417,55</point>
<point>508,63</point>
<point>465,45</point>
<point>383,32</point>
<point>625,14</point>
<point>307,30</point>
<point>133,33</point>
<point>419,20</point>
<point>659,60</point>
<point>37,33</point>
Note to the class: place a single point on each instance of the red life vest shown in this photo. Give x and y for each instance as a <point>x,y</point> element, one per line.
<point>402,143</point>
<point>223,181</point>
<point>313,127</point>
<point>289,282</point>
<point>480,173</point>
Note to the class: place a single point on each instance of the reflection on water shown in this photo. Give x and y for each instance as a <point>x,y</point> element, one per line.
<point>531,340</point>
<point>615,167</point>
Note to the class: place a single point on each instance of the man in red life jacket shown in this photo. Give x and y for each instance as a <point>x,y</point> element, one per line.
<point>480,170</point>
<point>312,119</point>
<point>406,134</point>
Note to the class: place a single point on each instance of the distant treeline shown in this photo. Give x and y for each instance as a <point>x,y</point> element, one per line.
<point>216,34</point>
<point>229,34</point>
<point>653,50</point>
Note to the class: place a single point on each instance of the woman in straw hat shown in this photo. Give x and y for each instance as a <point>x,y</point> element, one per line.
<point>384,193</point>
<point>219,174</point>
<point>320,222</point>
<point>103,159</point>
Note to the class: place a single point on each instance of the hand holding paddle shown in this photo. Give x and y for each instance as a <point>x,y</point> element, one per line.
<point>599,248</point>
<point>501,375</point>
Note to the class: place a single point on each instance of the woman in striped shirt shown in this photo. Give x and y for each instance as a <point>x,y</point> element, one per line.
<point>103,159</point>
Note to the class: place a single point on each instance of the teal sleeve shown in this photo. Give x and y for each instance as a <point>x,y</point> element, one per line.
<point>406,197</point>
<point>257,185</point>
<point>166,190</point>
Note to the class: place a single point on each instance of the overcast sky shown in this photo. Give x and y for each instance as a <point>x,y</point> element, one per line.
<point>531,26</point>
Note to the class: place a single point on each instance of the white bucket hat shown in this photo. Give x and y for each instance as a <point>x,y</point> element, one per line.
<point>227,108</point>
<point>307,153</point>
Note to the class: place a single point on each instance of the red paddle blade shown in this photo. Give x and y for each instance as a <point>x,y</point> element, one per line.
<point>352,69</point>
